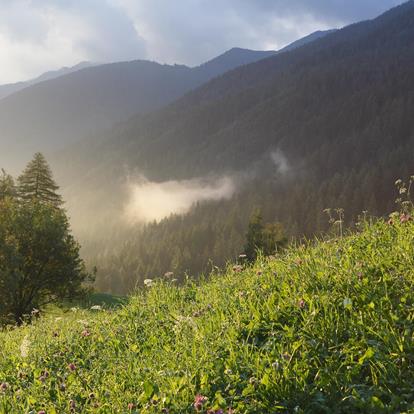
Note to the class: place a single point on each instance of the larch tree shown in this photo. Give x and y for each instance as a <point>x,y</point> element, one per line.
<point>36,183</point>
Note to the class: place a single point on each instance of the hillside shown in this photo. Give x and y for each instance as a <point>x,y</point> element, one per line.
<point>8,89</point>
<point>62,110</point>
<point>55,113</point>
<point>327,327</point>
<point>337,113</point>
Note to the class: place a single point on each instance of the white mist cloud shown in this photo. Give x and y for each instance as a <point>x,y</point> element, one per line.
<point>280,161</point>
<point>154,201</point>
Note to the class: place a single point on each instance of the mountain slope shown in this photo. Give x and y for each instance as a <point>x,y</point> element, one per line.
<point>324,94</point>
<point>338,111</point>
<point>324,328</point>
<point>8,89</point>
<point>53,114</point>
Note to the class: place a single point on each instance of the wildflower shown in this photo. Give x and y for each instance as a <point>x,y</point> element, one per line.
<point>91,396</point>
<point>4,386</point>
<point>404,218</point>
<point>85,333</point>
<point>72,404</point>
<point>199,402</point>
<point>237,268</point>
<point>131,406</point>
<point>302,303</point>
<point>148,282</point>
<point>72,366</point>
<point>41,412</point>
<point>74,309</point>
<point>42,378</point>
<point>24,347</point>
<point>96,307</point>
<point>242,256</point>
<point>390,221</point>
<point>259,273</point>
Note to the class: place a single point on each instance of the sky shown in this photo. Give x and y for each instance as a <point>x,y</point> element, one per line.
<point>41,35</point>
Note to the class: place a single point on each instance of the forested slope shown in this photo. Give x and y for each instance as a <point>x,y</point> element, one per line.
<point>337,110</point>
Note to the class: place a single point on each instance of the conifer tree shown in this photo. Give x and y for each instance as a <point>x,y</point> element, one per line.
<point>7,187</point>
<point>254,236</point>
<point>36,183</point>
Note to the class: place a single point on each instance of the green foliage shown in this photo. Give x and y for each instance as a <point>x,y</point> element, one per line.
<point>7,187</point>
<point>327,327</point>
<point>268,238</point>
<point>36,183</point>
<point>39,259</point>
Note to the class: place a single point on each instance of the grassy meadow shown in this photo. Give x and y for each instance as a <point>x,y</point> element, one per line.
<point>327,327</point>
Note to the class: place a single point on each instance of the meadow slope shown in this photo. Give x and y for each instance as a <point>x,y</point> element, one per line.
<point>327,327</point>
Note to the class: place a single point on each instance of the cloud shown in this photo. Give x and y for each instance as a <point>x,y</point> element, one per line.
<point>40,35</point>
<point>154,201</point>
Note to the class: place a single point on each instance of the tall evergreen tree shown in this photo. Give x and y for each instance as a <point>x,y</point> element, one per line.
<point>36,183</point>
<point>7,187</point>
<point>254,236</point>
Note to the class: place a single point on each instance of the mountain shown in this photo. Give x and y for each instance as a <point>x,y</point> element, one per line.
<point>307,39</point>
<point>328,124</point>
<point>52,114</point>
<point>327,92</point>
<point>8,89</point>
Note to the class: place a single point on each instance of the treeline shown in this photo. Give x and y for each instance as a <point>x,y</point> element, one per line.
<point>214,233</point>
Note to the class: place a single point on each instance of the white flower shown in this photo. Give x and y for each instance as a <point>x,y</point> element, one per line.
<point>148,282</point>
<point>96,307</point>
<point>24,347</point>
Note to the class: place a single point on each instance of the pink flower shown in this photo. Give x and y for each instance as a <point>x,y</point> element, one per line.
<point>302,303</point>
<point>199,401</point>
<point>85,333</point>
<point>72,366</point>
<point>131,406</point>
<point>41,412</point>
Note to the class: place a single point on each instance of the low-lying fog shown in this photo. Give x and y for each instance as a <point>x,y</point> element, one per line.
<point>154,201</point>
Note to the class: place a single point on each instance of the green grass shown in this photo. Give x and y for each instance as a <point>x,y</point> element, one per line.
<point>326,328</point>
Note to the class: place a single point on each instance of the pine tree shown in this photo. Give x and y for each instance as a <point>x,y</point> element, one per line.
<point>254,236</point>
<point>7,187</point>
<point>37,184</point>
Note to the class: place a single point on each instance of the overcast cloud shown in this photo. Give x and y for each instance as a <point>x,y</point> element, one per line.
<point>40,35</point>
